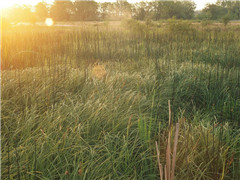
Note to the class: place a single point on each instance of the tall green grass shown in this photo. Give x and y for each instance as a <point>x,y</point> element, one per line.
<point>61,122</point>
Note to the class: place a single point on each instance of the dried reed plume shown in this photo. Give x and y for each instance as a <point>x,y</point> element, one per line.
<point>169,172</point>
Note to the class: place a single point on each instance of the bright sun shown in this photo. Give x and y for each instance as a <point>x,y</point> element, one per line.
<point>49,22</point>
<point>6,4</point>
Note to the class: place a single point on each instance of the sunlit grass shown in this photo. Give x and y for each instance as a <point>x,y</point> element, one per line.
<point>91,102</point>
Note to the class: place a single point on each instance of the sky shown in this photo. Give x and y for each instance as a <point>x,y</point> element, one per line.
<point>7,3</point>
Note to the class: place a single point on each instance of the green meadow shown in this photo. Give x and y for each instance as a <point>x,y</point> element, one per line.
<point>91,101</point>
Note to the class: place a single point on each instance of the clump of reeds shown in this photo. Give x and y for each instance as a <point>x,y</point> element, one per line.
<point>168,169</point>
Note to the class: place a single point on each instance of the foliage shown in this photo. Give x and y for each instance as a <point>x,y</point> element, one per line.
<point>61,10</point>
<point>120,10</point>
<point>225,20</point>
<point>59,121</point>
<point>41,11</point>
<point>233,8</point>
<point>141,10</point>
<point>105,10</point>
<point>85,10</point>
<point>169,9</point>
<point>214,11</point>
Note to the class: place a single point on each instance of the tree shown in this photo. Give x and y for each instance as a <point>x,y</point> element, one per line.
<point>86,10</point>
<point>169,9</point>
<point>233,8</point>
<point>41,11</point>
<point>225,20</point>
<point>189,9</point>
<point>214,11</point>
<point>140,11</point>
<point>62,10</point>
<point>104,10</point>
<point>116,11</point>
<point>236,9</point>
<point>123,9</point>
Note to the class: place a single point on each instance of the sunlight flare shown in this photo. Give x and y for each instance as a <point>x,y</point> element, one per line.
<point>49,21</point>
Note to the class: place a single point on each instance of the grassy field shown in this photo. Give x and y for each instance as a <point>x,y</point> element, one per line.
<point>89,102</point>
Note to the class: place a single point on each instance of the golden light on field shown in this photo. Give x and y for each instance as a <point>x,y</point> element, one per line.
<point>49,21</point>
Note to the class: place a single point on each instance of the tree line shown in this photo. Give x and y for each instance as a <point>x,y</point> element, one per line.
<point>221,9</point>
<point>89,10</point>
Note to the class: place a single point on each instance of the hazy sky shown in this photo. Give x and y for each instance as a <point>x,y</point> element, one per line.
<point>7,3</point>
